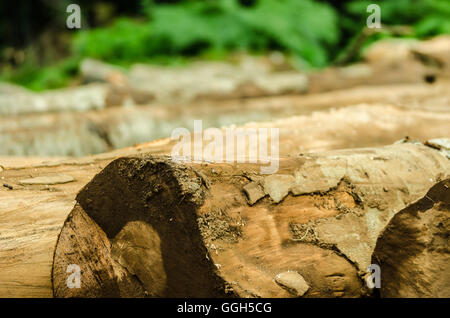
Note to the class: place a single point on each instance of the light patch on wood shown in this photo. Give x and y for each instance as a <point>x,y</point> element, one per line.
<point>254,192</point>
<point>55,179</point>
<point>137,247</point>
<point>277,186</point>
<point>293,282</point>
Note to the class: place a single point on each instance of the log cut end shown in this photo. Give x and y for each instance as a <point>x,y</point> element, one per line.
<point>139,237</point>
<point>413,251</point>
<point>149,227</point>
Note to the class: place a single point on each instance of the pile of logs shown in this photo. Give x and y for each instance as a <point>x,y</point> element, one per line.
<point>361,182</point>
<point>118,108</point>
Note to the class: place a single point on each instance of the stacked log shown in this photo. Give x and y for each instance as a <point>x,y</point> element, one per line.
<point>146,226</point>
<point>419,111</point>
<point>139,224</point>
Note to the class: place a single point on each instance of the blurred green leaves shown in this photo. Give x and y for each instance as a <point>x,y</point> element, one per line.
<point>124,40</point>
<point>427,17</point>
<point>314,32</point>
<point>38,78</point>
<point>304,28</point>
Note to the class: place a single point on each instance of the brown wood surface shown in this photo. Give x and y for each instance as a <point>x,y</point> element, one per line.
<point>217,230</point>
<point>32,215</point>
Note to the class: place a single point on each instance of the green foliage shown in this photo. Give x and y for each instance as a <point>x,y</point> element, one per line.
<point>424,17</point>
<point>427,17</point>
<point>36,78</point>
<point>313,31</point>
<point>303,28</point>
<point>124,40</point>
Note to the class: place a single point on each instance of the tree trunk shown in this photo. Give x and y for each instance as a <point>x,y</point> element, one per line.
<point>388,114</point>
<point>146,226</point>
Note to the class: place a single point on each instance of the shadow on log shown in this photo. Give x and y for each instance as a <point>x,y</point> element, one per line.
<point>413,251</point>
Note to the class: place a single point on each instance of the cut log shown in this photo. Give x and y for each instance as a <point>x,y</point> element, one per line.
<point>39,210</point>
<point>413,62</point>
<point>214,80</point>
<point>82,98</point>
<point>146,226</point>
<point>419,111</point>
<point>97,71</point>
<point>413,252</point>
